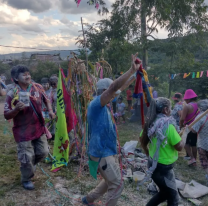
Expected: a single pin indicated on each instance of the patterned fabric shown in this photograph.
(158, 130)
(27, 126)
(121, 108)
(203, 133)
(53, 98)
(178, 107)
(44, 108)
(101, 130)
(203, 157)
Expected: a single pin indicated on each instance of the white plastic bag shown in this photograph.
(129, 147)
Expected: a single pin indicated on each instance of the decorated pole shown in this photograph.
(85, 44)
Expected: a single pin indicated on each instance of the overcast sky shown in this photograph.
(50, 24)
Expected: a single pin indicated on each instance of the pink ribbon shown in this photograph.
(101, 73)
(78, 2)
(207, 73)
(201, 74)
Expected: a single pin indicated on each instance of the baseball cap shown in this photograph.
(177, 96)
(105, 84)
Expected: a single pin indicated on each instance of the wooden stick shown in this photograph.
(85, 44)
(194, 122)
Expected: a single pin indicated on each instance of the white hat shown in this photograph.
(105, 84)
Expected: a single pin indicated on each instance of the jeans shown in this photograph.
(164, 178)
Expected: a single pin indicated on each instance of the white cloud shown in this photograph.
(23, 20)
(41, 41)
(36, 6)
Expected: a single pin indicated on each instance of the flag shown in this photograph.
(61, 142)
(71, 119)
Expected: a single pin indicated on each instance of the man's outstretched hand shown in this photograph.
(134, 65)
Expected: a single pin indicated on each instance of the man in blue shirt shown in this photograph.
(103, 138)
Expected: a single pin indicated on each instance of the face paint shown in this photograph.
(24, 78)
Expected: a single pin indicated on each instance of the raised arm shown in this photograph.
(118, 83)
(129, 81)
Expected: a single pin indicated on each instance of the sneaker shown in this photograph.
(84, 201)
(192, 161)
(187, 158)
(28, 185)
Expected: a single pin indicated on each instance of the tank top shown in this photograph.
(191, 117)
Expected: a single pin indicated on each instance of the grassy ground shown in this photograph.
(65, 181)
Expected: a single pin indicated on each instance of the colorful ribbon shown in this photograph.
(78, 2)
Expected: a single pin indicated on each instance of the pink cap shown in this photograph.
(189, 94)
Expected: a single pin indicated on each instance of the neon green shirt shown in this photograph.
(168, 154)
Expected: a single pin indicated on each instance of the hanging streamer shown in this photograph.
(78, 3)
(201, 74)
(186, 75)
(193, 75)
(197, 75)
(101, 73)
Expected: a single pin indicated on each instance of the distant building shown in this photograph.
(46, 57)
(7, 61)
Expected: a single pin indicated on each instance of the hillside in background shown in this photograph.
(15, 56)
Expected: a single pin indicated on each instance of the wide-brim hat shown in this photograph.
(177, 96)
(105, 84)
(189, 94)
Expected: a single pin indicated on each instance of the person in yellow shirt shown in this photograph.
(161, 142)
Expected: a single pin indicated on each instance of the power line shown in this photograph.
(34, 48)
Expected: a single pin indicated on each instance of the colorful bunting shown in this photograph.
(198, 74)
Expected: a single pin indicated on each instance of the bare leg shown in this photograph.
(194, 152)
(188, 151)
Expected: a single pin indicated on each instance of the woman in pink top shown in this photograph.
(189, 113)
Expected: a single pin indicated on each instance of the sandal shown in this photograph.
(192, 161)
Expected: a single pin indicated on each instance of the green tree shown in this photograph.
(143, 18)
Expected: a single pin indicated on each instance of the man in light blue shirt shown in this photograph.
(103, 138)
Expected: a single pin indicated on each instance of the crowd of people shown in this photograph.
(159, 139)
